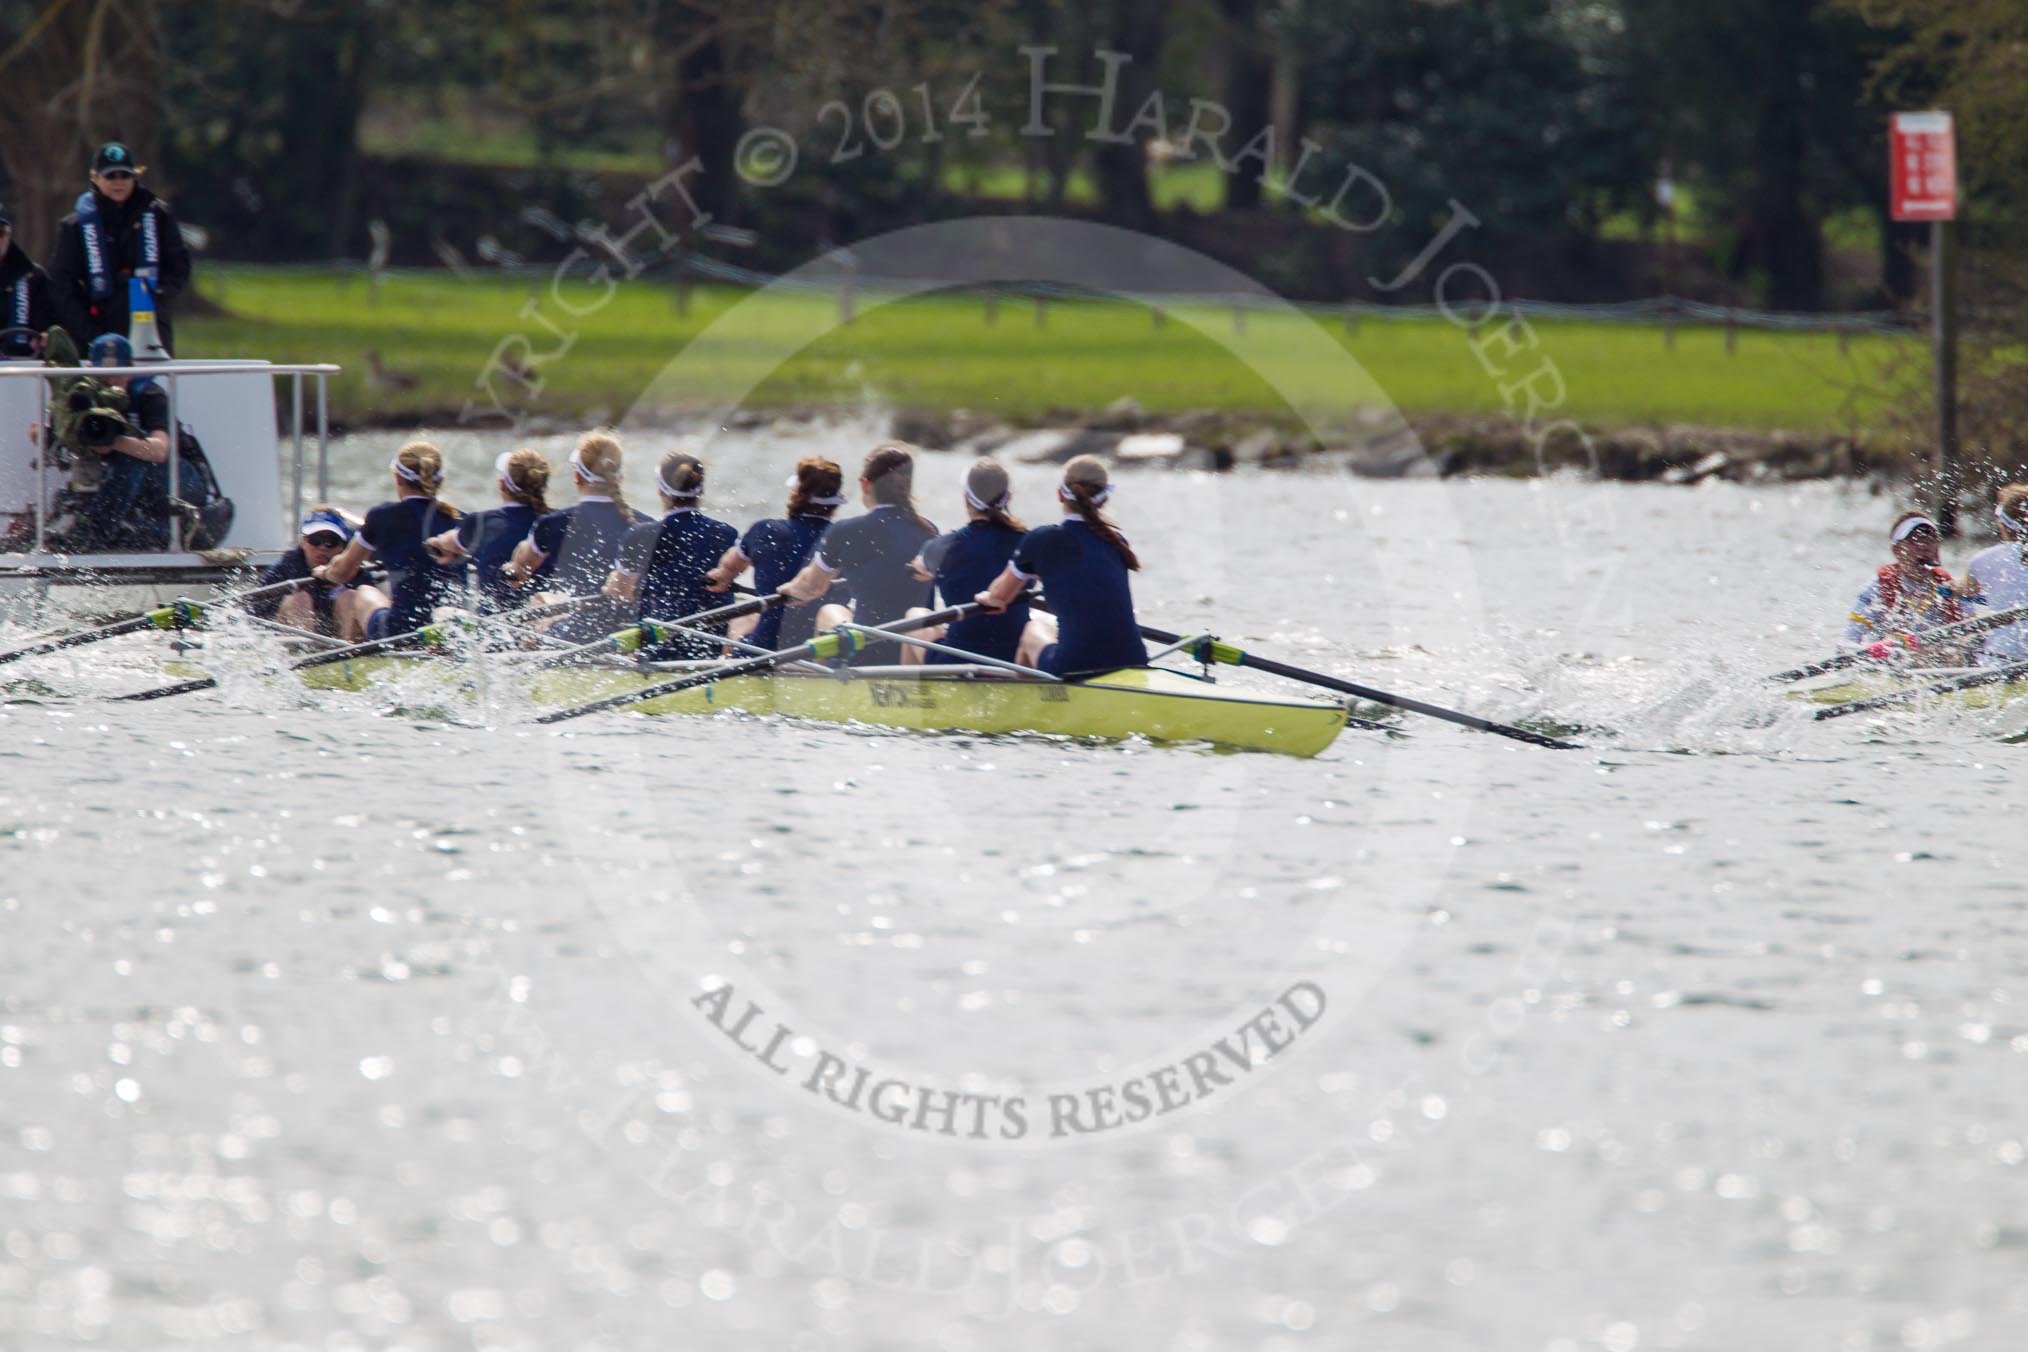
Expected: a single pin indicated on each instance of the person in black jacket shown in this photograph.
(24, 296)
(119, 231)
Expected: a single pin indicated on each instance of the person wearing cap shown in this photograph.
(966, 561)
(118, 231)
(24, 296)
(871, 554)
(663, 565)
(571, 551)
(1998, 575)
(396, 534)
(1907, 596)
(331, 609)
(490, 538)
(1083, 563)
(776, 549)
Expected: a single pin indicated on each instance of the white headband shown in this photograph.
(678, 492)
(403, 472)
(2008, 519)
(1098, 499)
(506, 476)
(1910, 527)
(980, 504)
(834, 500)
(577, 463)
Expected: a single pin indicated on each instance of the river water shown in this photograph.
(386, 1021)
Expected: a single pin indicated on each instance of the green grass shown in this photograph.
(939, 352)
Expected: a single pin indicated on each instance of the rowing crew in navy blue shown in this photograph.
(866, 571)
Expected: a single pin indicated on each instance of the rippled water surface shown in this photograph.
(372, 1020)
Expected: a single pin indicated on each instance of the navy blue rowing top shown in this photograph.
(671, 557)
(778, 548)
(1086, 583)
(489, 538)
(872, 553)
(579, 544)
(416, 583)
(966, 561)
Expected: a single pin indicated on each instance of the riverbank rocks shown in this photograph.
(1377, 443)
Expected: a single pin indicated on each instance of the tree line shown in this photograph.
(1553, 119)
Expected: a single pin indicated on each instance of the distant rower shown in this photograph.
(663, 564)
(1907, 596)
(1083, 562)
(2000, 575)
(490, 538)
(778, 548)
(572, 550)
(394, 533)
(966, 561)
(872, 553)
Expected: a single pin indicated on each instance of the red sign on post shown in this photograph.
(1925, 168)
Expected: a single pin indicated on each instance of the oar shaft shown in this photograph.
(633, 637)
(1366, 692)
(1978, 624)
(824, 645)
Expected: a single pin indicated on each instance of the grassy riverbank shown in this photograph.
(436, 333)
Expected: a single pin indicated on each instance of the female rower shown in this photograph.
(2000, 575)
(777, 549)
(1083, 562)
(572, 550)
(872, 553)
(663, 564)
(394, 533)
(490, 538)
(1907, 596)
(334, 611)
(965, 562)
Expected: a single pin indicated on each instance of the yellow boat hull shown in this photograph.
(1162, 706)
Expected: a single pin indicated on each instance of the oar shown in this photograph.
(822, 647)
(649, 633)
(1978, 624)
(429, 634)
(1225, 652)
(1990, 676)
(178, 614)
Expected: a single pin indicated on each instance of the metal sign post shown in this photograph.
(1924, 173)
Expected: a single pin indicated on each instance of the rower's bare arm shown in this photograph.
(623, 586)
(444, 548)
(809, 585)
(731, 565)
(1005, 588)
(527, 558)
(348, 563)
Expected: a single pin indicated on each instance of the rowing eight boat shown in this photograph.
(1150, 702)
(1874, 683)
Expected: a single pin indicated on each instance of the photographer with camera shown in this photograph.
(24, 296)
(120, 233)
(127, 510)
